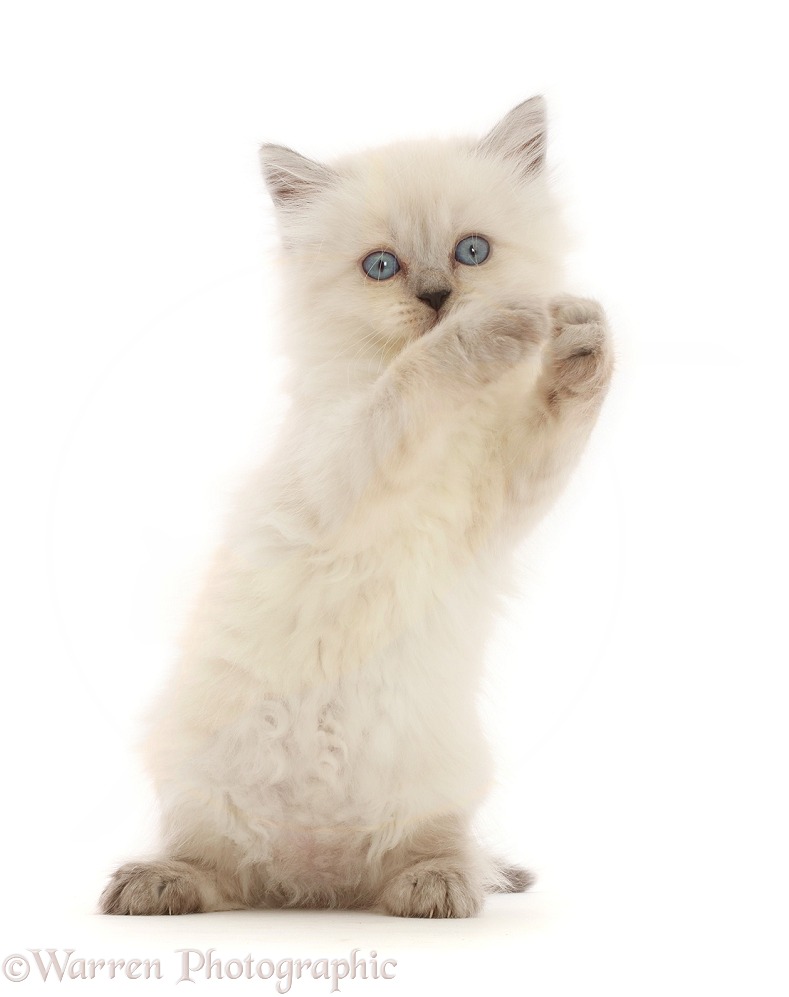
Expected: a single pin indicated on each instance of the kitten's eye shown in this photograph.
(380, 265)
(472, 250)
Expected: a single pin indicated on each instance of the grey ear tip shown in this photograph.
(291, 177)
(520, 136)
(536, 103)
(264, 153)
(268, 149)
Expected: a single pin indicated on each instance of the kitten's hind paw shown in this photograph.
(432, 889)
(165, 887)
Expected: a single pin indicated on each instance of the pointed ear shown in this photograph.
(520, 135)
(290, 177)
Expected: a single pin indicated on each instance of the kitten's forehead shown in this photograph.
(417, 195)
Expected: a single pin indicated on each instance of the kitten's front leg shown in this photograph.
(390, 493)
(391, 433)
(545, 442)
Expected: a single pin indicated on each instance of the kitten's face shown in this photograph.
(415, 202)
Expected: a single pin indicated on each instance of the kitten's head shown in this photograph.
(381, 245)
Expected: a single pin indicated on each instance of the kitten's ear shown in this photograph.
(290, 177)
(520, 135)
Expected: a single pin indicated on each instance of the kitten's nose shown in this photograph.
(434, 298)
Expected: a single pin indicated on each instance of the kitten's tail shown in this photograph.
(511, 879)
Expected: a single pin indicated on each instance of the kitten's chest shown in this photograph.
(450, 489)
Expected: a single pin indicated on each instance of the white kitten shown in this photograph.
(319, 743)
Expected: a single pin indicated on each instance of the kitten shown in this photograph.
(318, 743)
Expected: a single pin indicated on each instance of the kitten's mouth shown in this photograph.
(432, 323)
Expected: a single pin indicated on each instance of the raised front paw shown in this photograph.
(474, 345)
(496, 339)
(432, 889)
(166, 887)
(581, 354)
(477, 343)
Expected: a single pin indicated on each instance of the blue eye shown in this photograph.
(472, 250)
(380, 265)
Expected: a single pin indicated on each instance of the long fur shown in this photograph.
(318, 743)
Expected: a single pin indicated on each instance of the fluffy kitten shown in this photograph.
(318, 743)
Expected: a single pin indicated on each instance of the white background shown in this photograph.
(636, 693)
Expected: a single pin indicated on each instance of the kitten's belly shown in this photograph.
(338, 774)
(302, 799)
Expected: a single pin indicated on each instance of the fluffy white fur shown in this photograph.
(318, 743)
